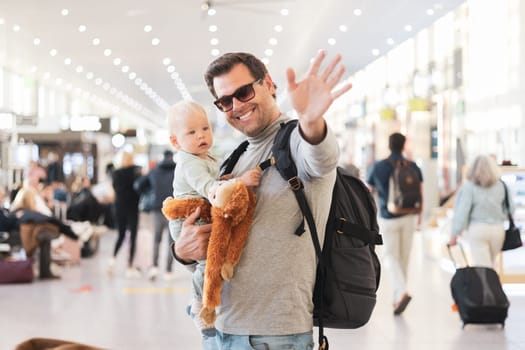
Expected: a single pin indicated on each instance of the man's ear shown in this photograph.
(174, 142)
(268, 82)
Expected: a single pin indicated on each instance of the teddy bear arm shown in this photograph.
(240, 234)
(180, 208)
(217, 248)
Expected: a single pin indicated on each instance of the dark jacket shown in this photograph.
(8, 222)
(159, 181)
(126, 198)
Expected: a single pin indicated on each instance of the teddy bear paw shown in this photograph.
(207, 314)
(227, 271)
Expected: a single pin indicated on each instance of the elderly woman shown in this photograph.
(480, 211)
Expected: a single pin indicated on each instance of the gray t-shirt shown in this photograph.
(271, 290)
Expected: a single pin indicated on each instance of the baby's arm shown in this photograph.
(251, 177)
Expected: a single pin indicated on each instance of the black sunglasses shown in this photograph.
(244, 94)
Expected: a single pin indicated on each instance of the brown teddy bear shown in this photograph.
(232, 207)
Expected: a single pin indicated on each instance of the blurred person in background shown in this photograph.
(34, 174)
(480, 211)
(159, 181)
(126, 210)
(38, 228)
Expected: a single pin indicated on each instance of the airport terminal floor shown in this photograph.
(88, 306)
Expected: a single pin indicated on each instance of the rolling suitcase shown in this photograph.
(478, 294)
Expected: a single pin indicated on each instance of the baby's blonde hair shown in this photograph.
(180, 109)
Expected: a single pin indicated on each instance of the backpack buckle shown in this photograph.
(294, 183)
(340, 226)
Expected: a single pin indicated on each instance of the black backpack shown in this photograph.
(348, 270)
(404, 188)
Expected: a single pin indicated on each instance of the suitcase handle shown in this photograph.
(462, 252)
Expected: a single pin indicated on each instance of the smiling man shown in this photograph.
(268, 304)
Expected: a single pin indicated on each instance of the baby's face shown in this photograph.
(194, 134)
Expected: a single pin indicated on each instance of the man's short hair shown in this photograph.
(225, 63)
(396, 142)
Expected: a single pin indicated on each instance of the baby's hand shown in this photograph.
(251, 177)
(226, 177)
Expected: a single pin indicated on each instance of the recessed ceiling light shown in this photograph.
(79, 69)
(174, 75)
(272, 41)
(98, 81)
(375, 52)
(166, 61)
(265, 60)
(268, 52)
(278, 28)
(96, 42)
(214, 41)
(215, 52)
(16, 28)
(408, 28)
(106, 86)
(343, 28)
(171, 69)
(390, 41)
(430, 12)
(107, 52)
(36, 41)
(125, 69)
(147, 28)
(213, 28)
(53, 52)
(82, 28)
(2, 21)
(138, 81)
(117, 61)
(155, 41)
(285, 12)
(67, 61)
(64, 12)
(358, 12)
(132, 75)
(89, 75)
(211, 12)
(331, 41)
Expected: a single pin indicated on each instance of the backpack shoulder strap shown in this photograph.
(229, 163)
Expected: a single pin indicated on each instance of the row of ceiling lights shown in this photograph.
(89, 76)
(390, 41)
(170, 68)
(268, 52)
(125, 69)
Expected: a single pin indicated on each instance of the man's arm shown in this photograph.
(312, 96)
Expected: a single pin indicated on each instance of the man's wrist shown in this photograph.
(183, 262)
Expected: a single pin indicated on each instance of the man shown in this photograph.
(268, 303)
(159, 180)
(397, 229)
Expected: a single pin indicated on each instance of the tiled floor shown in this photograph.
(88, 306)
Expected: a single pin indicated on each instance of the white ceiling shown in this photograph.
(183, 29)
